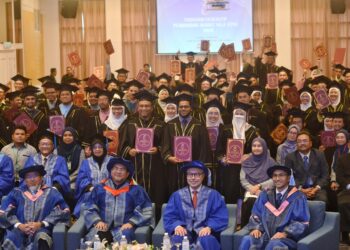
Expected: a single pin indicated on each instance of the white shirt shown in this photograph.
(198, 189)
(282, 192)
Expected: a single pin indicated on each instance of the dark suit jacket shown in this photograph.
(318, 168)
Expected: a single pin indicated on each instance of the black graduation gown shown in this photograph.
(198, 66)
(230, 185)
(149, 168)
(41, 121)
(311, 122)
(44, 107)
(78, 119)
(158, 111)
(200, 148)
(261, 70)
(4, 134)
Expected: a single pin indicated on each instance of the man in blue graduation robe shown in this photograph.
(30, 212)
(7, 177)
(196, 211)
(117, 206)
(280, 217)
(56, 168)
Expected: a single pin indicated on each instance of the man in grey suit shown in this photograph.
(310, 168)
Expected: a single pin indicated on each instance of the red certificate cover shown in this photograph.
(113, 144)
(328, 138)
(74, 58)
(24, 120)
(213, 133)
(10, 114)
(142, 77)
(190, 75)
(205, 45)
(272, 80)
(175, 67)
(183, 148)
(78, 99)
(279, 134)
(246, 44)
(234, 151)
(267, 41)
(305, 63)
(57, 124)
(144, 139)
(320, 51)
(228, 51)
(339, 55)
(292, 96)
(94, 81)
(108, 47)
(322, 98)
(99, 72)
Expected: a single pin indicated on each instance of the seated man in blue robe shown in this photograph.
(196, 211)
(31, 211)
(56, 168)
(117, 206)
(280, 217)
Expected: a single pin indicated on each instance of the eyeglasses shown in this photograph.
(303, 141)
(195, 175)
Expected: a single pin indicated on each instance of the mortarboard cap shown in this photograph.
(296, 112)
(282, 68)
(339, 66)
(4, 87)
(241, 105)
(185, 87)
(214, 103)
(13, 95)
(71, 80)
(122, 71)
(225, 84)
(29, 91)
(164, 76)
(145, 95)
(305, 89)
(222, 75)
(50, 84)
(253, 75)
(339, 114)
(206, 78)
(346, 71)
(93, 89)
(337, 85)
(47, 134)
(322, 79)
(107, 93)
(241, 88)
(117, 102)
(313, 68)
(287, 82)
(134, 83)
(242, 75)
(271, 53)
(68, 87)
(117, 94)
(190, 53)
(328, 114)
(170, 99)
(40, 169)
(215, 70)
(184, 97)
(19, 77)
(44, 79)
(214, 91)
(163, 87)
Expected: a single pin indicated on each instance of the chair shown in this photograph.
(59, 236)
(226, 236)
(78, 231)
(323, 230)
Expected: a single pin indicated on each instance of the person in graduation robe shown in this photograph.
(51, 97)
(170, 111)
(29, 95)
(196, 211)
(149, 168)
(92, 171)
(289, 145)
(117, 206)
(7, 175)
(184, 125)
(3, 90)
(310, 119)
(335, 97)
(74, 116)
(91, 102)
(31, 211)
(229, 173)
(20, 82)
(197, 65)
(160, 103)
(117, 116)
(55, 166)
(130, 101)
(271, 228)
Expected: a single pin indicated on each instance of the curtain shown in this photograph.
(312, 24)
(139, 36)
(85, 34)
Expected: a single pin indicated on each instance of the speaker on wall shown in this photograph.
(338, 6)
(69, 8)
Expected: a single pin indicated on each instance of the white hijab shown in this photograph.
(335, 104)
(167, 117)
(304, 107)
(325, 127)
(114, 123)
(256, 91)
(161, 103)
(213, 124)
(239, 124)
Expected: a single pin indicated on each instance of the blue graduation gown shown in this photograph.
(56, 170)
(6, 175)
(211, 211)
(89, 174)
(131, 206)
(20, 206)
(292, 217)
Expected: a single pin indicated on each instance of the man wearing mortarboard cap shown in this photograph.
(132, 88)
(150, 170)
(122, 76)
(240, 129)
(69, 74)
(51, 97)
(160, 104)
(337, 72)
(164, 79)
(29, 95)
(30, 212)
(74, 116)
(20, 81)
(184, 125)
(197, 65)
(91, 102)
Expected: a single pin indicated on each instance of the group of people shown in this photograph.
(108, 180)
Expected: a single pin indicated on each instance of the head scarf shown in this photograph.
(255, 166)
(161, 103)
(98, 159)
(288, 146)
(167, 117)
(71, 152)
(304, 107)
(325, 127)
(334, 104)
(239, 124)
(218, 122)
(256, 91)
(340, 149)
(114, 122)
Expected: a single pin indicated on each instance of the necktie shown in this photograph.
(194, 198)
(45, 161)
(184, 123)
(278, 199)
(306, 162)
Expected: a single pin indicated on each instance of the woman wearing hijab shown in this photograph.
(254, 176)
(92, 171)
(289, 145)
(117, 116)
(170, 110)
(334, 95)
(306, 105)
(215, 127)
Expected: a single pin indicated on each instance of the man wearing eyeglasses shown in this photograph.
(280, 217)
(196, 211)
(310, 168)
